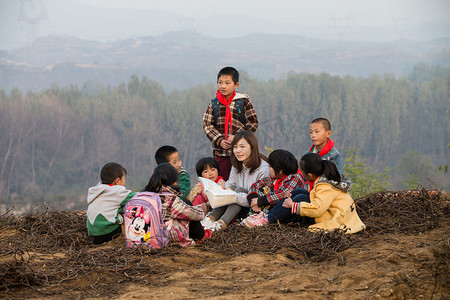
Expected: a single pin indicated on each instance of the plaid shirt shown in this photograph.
(272, 196)
(215, 129)
(177, 214)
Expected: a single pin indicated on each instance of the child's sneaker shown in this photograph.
(207, 223)
(255, 220)
(218, 225)
(207, 235)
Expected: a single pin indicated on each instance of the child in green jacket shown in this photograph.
(169, 154)
(106, 202)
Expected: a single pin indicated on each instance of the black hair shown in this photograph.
(205, 162)
(255, 157)
(111, 171)
(164, 174)
(283, 160)
(325, 123)
(162, 154)
(312, 163)
(231, 72)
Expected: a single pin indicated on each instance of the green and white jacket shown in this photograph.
(106, 203)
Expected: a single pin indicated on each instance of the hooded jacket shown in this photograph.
(331, 206)
(106, 203)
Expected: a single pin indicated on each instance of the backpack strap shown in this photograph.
(239, 103)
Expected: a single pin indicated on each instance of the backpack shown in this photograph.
(144, 225)
(239, 103)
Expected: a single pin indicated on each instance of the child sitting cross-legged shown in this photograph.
(329, 202)
(207, 167)
(182, 219)
(268, 193)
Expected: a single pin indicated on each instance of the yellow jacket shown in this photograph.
(331, 206)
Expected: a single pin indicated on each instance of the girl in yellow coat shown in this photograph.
(329, 202)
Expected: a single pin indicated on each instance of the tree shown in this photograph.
(363, 181)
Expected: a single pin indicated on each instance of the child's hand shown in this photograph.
(225, 144)
(288, 203)
(230, 139)
(255, 206)
(203, 207)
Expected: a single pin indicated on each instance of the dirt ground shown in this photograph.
(373, 266)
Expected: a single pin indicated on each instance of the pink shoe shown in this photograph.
(255, 220)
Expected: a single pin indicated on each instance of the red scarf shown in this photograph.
(328, 146)
(228, 117)
(278, 182)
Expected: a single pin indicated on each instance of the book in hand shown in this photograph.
(217, 196)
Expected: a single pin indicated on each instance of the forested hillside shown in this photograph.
(54, 142)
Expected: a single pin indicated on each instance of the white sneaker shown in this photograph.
(207, 223)
(218, 225)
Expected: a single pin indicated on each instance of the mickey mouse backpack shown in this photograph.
(144, 225)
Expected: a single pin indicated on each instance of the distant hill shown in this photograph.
(180, 60)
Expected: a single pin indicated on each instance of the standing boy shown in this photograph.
(106, 202)
(169, 154)
(230, 112)
(320, 132)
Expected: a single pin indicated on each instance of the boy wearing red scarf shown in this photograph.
(320, 132)
(230, 112)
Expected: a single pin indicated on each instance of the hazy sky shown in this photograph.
(362, 12)
(118, 19)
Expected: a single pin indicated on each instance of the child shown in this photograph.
(169, 154)
(320, 132)
(106, 202)
(182, 218)
(227, 114)
(207, 167)
(329, 202)
(266, 195)
(248, 167)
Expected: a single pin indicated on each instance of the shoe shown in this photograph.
(255, 220)
(207, 235)
(218, 225)
(207, 223)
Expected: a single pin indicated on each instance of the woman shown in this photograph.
(248, 166)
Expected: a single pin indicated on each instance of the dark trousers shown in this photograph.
(283, 214)
(224, 166)
(107, 237)
(196, 230)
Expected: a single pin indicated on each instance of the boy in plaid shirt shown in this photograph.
(230, 112)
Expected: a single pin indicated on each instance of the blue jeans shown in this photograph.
(283, 214)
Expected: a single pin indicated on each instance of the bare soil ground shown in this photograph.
(403, 254)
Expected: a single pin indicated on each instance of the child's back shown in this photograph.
(331, 206)
(106, 202)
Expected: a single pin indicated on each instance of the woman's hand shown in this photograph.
(288, 203)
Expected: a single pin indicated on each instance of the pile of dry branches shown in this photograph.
(403, 211)
(47, 248)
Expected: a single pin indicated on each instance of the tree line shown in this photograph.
(55, 141)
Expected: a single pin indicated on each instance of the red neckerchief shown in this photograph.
(328, 146)
(278, 182)
(228, 118)
(218, 178)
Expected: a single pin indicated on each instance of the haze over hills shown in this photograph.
(183, 59)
